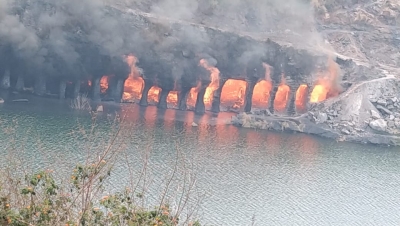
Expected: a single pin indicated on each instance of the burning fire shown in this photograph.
(327, 85)
(233, 94)
(172, 99)
(261, 94)
(214, 74)
(192, 97)
(301, 98)
(133, 89)
(320, 92)
(104, 84)
(134, 83)
(282, 96)
(154, 95)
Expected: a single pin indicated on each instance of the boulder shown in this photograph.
(378, 124)
(375, 114)
(321, 118)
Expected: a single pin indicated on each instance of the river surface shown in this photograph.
(244, 175)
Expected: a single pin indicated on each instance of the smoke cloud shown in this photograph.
(60, 37)
(76, 39)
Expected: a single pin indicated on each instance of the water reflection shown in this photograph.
(280, 178)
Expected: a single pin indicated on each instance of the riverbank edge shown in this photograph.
(303, 124)
(368, 112)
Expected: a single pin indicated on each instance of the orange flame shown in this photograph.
(134, 83)
(261, 94)
(192, 97)
(327, 85)
(301, 98)
(104, 84)
(233, 94)
(282, 96)
(320, 92)
(172, 99)
(133, 88)
(154, 95)
(214, 74)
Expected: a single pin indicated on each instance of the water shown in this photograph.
(266, 177)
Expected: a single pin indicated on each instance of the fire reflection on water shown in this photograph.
(168, 117)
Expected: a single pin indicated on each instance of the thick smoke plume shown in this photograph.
(67, 38)
(76, 39)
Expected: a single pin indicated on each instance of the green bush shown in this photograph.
(41, 201)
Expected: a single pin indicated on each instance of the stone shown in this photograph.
(394, 99)
(1, 101)
(100, 108)
(321, 118)
(345, 131)
(383, 109)
(194, 124)
(391, 124)
(397, 123)
(391, 117)
(375, 114)
(382, 102)
(390, 107)
(379, 125)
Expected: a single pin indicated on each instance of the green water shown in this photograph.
(273, 178)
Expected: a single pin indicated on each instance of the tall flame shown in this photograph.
(261, 94)
(262, 89)
(154, 95)
(233, 94)
(282, 96)
(301, 98)
(327, 85)
(192, 97)
(172, 99)
(134, 83)
(214, 74)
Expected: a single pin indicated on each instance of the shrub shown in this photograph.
(77, 198)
